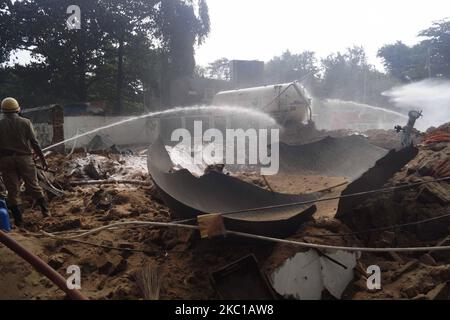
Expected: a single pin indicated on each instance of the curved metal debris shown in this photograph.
(348, 157)
(373, 179)
(188, 196)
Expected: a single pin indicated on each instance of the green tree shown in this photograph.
(219, 69)
(405, 63)
(348, 76)
(70, 56)
(181, 26)
(344, 75)
(125, 52)
(437, 47)
(429, 58)
(290, 67)
(126, 24)
(7, 35)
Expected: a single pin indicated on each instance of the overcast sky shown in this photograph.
(261, 29)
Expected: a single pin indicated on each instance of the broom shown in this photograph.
(149, 282)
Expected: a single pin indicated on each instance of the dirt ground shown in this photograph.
(110, 260)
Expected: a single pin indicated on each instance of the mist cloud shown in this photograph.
(430, 95)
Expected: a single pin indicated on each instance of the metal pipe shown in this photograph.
(40, 266)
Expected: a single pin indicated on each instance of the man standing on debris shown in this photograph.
(17, 141)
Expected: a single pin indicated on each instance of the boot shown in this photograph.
(42, 203)
(17, 215)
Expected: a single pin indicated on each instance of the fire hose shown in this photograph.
(40, 266)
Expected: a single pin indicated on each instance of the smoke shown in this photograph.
(431, 95)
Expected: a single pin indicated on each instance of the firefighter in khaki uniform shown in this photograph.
(17, 141)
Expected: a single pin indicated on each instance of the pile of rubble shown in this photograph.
(110, 261)
(420, 216)
(409, 205)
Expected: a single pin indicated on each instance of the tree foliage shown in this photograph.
(125, 50)
(346, 76)
(349, 76)
(289, 67)
(219, 69)
(428, 58)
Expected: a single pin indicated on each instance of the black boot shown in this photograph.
(17, 215)
(42, 203)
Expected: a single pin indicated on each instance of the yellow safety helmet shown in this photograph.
(10, 105)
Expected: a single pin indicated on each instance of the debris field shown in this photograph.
(112, 261)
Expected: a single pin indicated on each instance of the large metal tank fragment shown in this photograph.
(188, 196)
(348, 157)
(375, 178)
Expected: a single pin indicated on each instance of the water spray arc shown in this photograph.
(175, 111)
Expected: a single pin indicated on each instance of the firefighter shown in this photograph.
(17, 141)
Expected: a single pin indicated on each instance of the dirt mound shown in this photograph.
(110, 260)
(409, 205)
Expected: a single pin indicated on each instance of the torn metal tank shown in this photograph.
(373, 179)
(188, 196)
(378, 175)
(347, 157)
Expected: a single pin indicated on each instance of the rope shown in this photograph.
(117, 224)
(397, 226)
(257, 237)
(382, 190)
